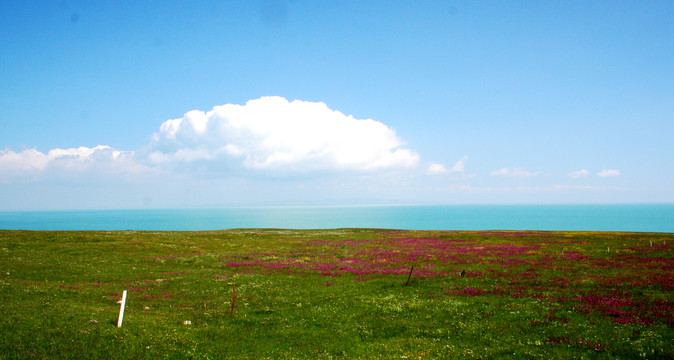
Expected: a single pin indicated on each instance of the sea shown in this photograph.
(620, 217)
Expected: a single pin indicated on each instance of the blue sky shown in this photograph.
(334, 102)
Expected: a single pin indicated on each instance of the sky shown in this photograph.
(192, 104)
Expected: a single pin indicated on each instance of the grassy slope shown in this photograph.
(336, 294)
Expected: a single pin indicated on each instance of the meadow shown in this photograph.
(337, 294)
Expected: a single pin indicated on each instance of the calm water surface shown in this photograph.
(641, 218)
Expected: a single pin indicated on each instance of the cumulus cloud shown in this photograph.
(30, 163)
(439, 169)
(609, 173)
(514, 172)
(270, 133)
(578, 174)
(274, 133)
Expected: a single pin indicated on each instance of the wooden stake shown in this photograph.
(231, 313)
(408, 278)
(121, 309)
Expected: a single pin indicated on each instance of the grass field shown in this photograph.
(330, 294)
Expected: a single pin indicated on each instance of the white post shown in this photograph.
(121, 309)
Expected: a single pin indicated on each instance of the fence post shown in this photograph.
(121, 309)
(410, 276)
(231, 313)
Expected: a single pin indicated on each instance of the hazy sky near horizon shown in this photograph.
(125, 104)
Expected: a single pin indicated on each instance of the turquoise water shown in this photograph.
(641, 218)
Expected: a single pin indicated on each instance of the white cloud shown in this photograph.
(436, 169)
(265, 134)
(29, 164)
(273, 133)
(578, 174)
(514, 172)
(22, 162)
(609, 173)
(460, 165)
(439, 169)
(582, 187)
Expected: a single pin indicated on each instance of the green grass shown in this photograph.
(329, 294)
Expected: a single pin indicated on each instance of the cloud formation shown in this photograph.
(514, 172)
(30, 163)
(609, 173)
(578, 174)
(439, 169)
(265, 134)
(273, 133)
(436, 169)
